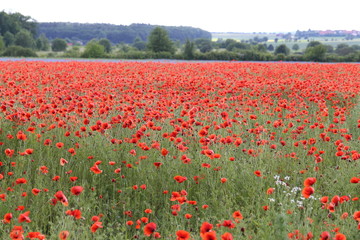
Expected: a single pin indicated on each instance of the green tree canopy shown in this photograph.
(42, 43)
(94, 49)
(58, 45)
(204, 45)
(106, 43)
(159, 41)
(295, 47)
(282, 49)
(24, 39)
(2, 44)
(189, 50)
(313, 44)
(9, 39)
(139, 44)
(316, 53)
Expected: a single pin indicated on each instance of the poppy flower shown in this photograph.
(24, 217)
(227, 236)
(17, 233)
(60, 196)
(325, 236)
(63, 161)
(63, 235)
(35, 235)
(95, 169)
(149, 229)
(340, 236)
(180, 179)
(76, 190)
(307, 192)
(96, 226)
(205, 227)
(309, 181)
(7, 218)
(356, 216)
(258, 173)
(182, 235)
(209, 236)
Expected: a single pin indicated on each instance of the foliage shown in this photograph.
(189, 50)
(2, 43)
(24, 39)
(73, 52)
(159, 41)
(139, 44)
(282, 49)
(58, 45)
(316, 53)
(295, 47)
(18, 51)
(106, 43)
(42, 43)
(204, 45)
(93, 50)
(116, 33)
(16, 22)
(9, 39)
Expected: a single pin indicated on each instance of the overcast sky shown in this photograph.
(213, 16)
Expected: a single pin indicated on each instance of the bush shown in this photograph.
(94, 50)
(17, 51)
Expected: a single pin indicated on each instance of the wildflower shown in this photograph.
(149, 229)
(182, 235)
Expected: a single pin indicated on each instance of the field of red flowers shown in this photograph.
(150, 150)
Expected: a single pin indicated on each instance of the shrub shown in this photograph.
(17, 51)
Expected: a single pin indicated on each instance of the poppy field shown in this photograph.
(160, 150)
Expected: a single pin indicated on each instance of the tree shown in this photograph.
(159, 41)
(204, 45)
(2, 44)
(106, 43)
(313, 44)
(42, 43)
(9, 39)
(24, 39)
(316, 53)
(343, 49)
(94, 50)
(58, 45)
(270, 48)
(282, 48)
(189, 50)
(139, 44)
(295, 47)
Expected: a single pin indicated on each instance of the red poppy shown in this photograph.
(95, 169)
(182, 235)
(76, 190)
(180, 179)
(63, 235)
(96, 226)
(340, 236)
(325, 236)
(209, 236)
(227, 236)
(309, 181)
(307, 192)
(24, 217)
(149, 229)
(7, 218)
(60, 196)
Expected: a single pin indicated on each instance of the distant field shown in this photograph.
(333, 41)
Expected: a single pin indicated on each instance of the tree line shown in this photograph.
(20, 37)
(84, 32)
